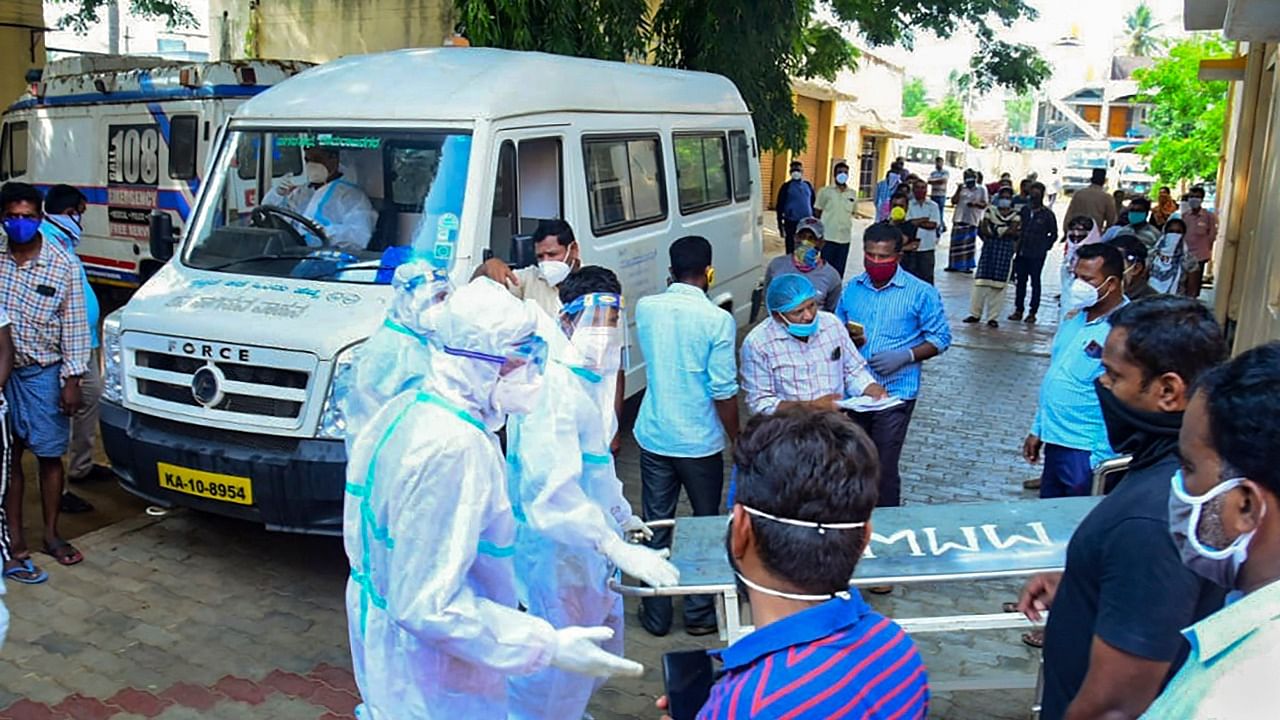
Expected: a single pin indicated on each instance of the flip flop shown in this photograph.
(1010, 607)
(64, 553)
(35, 576)
(1034, 639)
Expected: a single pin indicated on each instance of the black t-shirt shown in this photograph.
(1124, 583)
(908, 229)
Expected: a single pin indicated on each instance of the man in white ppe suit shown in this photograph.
(570, 511)
(431, 603)
(331, 200)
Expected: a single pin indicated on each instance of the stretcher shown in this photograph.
(909, 545)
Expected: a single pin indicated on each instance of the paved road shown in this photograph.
(195, 616)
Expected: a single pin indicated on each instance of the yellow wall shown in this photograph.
(1248, 291)
(16, 55)
(319, 30)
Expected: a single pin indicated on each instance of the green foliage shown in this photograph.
(86, 13)
(914, 98)
(1017, 111)
(762, 45)
(946, 118)
(1140, 27)
(605, 29)
(1187, 115)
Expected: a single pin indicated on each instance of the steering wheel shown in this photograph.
(277, 217)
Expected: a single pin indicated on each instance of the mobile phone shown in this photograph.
(854, 327)
(688, 678)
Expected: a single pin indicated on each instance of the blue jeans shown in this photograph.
(1067, 472)
(941, 201)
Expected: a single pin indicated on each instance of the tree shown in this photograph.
(1140, 27)
(947, 118)
(914, 98)
(1187, 115)
(764, 45)
(86, 13)
(1017, 110)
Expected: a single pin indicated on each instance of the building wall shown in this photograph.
(320, 30)
(17, 55)
(1248, 292)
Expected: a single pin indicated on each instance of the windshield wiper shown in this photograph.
(251, 259)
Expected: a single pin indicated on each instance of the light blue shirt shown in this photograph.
(689, 361)
(1069, 414)
(50, 231)
(902, 314)
(1231, 671)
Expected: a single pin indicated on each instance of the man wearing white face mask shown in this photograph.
(1068, 425)
(567, 498)
(1224, 516)
(556, 250)
(835, 206)
(429, 530)
(335, 203)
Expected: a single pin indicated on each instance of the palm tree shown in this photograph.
(1140, 27)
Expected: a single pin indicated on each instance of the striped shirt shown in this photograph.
(689, 364)
(45, 300)
(779, 367)
(1069, 414)
(903, 314)
(840, 659)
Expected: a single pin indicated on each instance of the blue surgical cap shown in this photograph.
(788, 292)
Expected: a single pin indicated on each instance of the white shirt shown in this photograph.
(928, 210)
(339, 205)
(938, 180)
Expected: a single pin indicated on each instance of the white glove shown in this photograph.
(578, 650)
(635, 525)
(639, 562)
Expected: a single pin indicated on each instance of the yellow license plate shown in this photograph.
(214, 486)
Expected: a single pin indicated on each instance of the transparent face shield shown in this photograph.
(596, 325)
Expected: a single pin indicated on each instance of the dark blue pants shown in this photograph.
(837, 256)
(941, 202)
(1067, 472)
(661, 478)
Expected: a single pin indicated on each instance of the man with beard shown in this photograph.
(1113, 639)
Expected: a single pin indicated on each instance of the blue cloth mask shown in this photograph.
(1137, 216)
(802, 330)
(21, 230)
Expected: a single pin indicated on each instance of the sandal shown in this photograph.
(26, 573)
(1035, 638)
(64, 553)
(1009, 607)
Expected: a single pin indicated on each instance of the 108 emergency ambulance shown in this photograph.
(132, 133)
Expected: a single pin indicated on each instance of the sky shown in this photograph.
(1099, 25)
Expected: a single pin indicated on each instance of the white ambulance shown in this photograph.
(220, 370)
(133, 134)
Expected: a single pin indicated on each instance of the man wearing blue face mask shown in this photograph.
(1113, 635)
(64, 208)
(801, 356)
(41, 288)
(1224, 517)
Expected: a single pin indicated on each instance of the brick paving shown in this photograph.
(194, 616)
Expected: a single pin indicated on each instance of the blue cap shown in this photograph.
(788, 292)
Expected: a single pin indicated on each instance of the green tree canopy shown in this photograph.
(1140, 27)
(762, 46)
(947, 118)
(914, 98)
(1017, 111)
(1187, 115)
(83, 14)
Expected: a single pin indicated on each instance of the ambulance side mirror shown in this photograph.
(163, 239)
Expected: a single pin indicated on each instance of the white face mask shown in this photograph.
(796, 174)
(517, 392)
(554, 271)
(842, 178)
(1081, 295)
(317, 173)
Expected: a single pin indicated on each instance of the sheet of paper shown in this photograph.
(862, 403)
